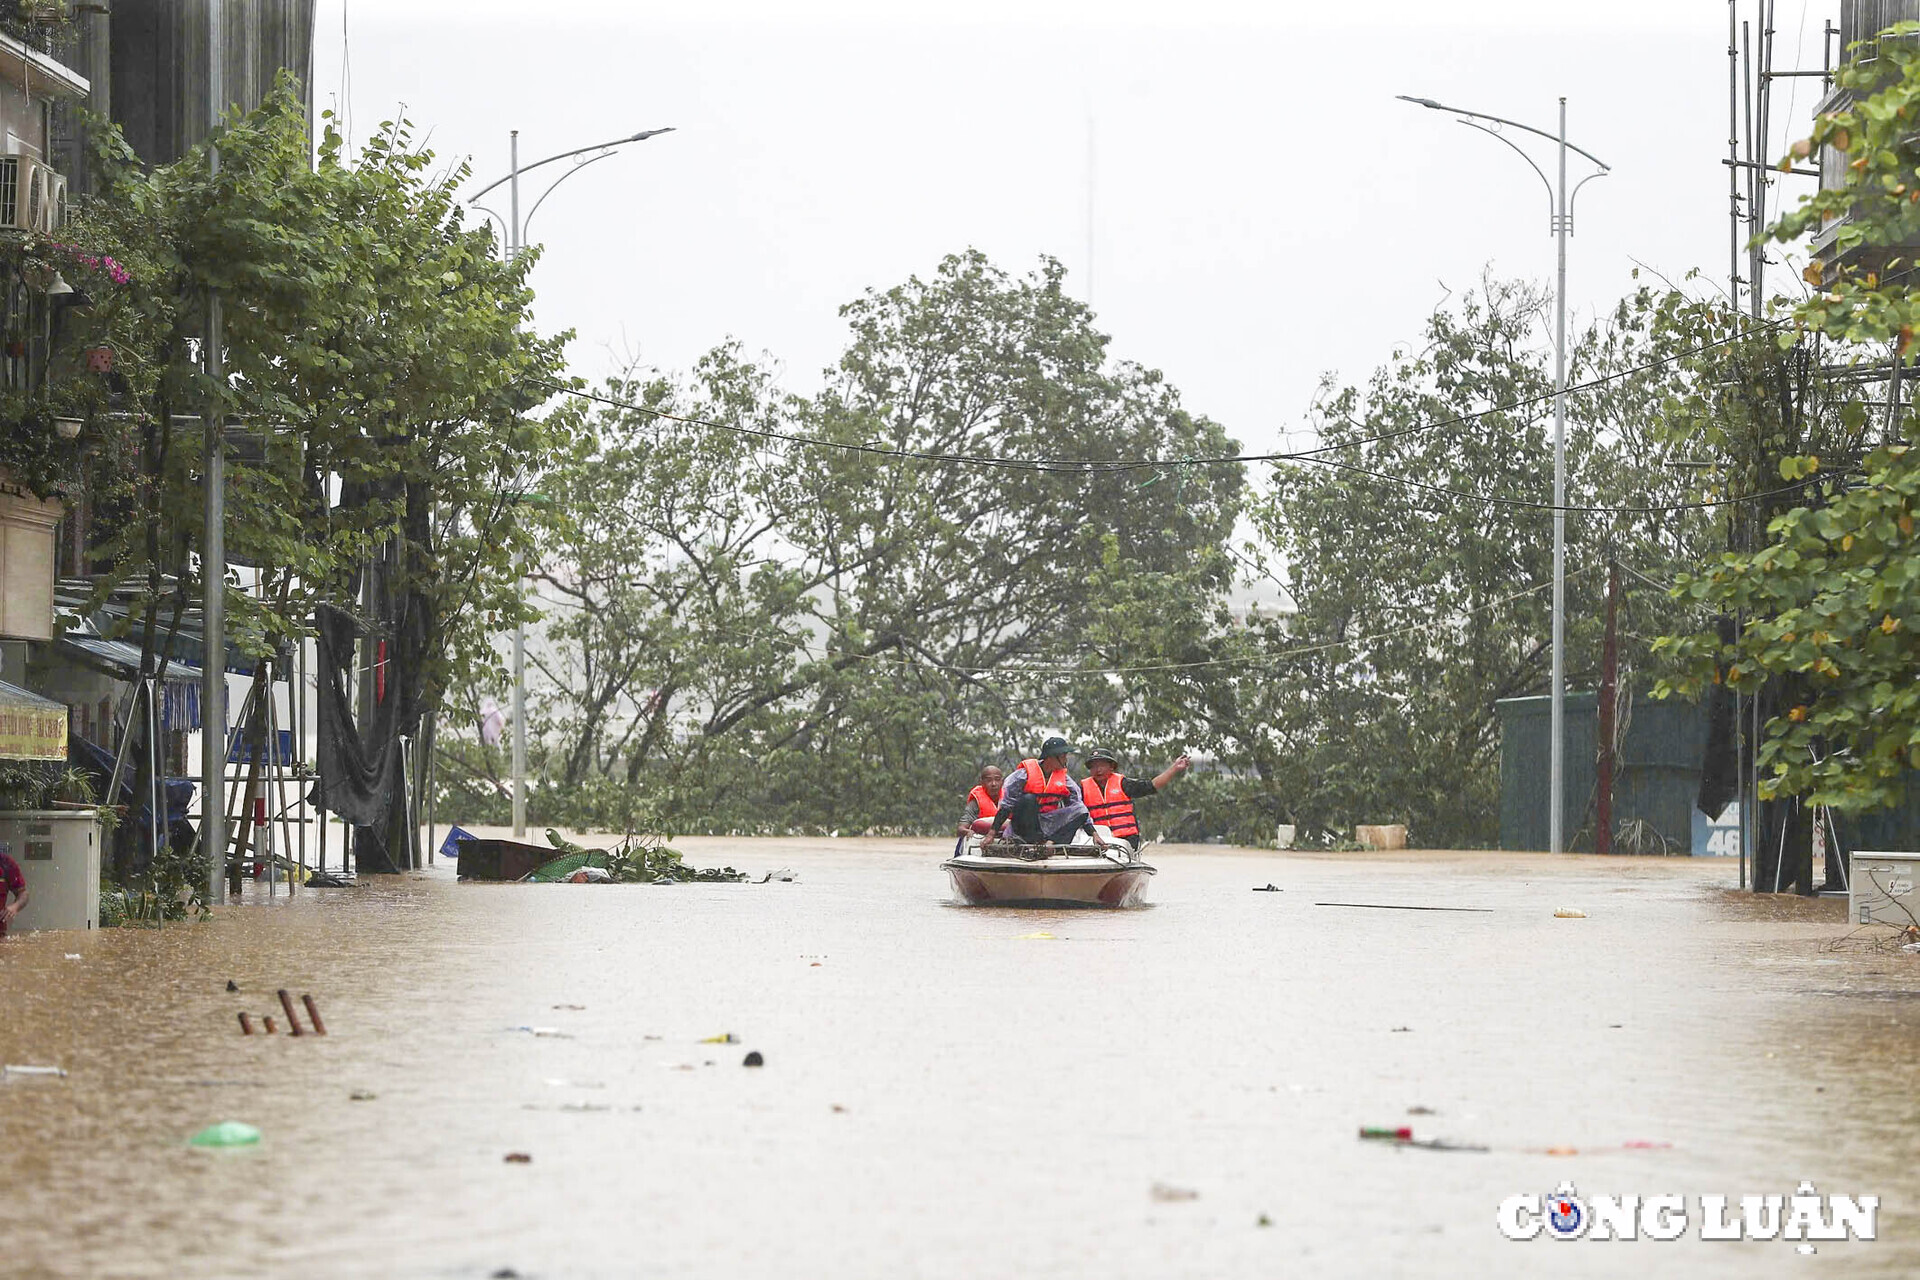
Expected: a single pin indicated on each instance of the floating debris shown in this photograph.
(1172, 1195)
(753, 1059)
(12, 1070)
(361, 1095)
(232, 985)
(725, 1037)
(517, 1157)
(228, 1133)
(1268, 887)
(1386, 1133)
(1396, 906)
(1041, 936)
(1569, 913)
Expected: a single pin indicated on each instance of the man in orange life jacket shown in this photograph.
(1040, 802)
(982, 802)
(1110, 795)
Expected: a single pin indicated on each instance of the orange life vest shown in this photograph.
(1051, 792)
(986, 804)
(1110, 807)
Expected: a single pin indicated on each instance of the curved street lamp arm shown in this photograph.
(1576, 188)
(496, 217)
(578, 166)
(641, 136)
(1495, 133)
(1554, 138)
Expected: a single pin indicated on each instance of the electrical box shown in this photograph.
(1880, 888)
(58, 851)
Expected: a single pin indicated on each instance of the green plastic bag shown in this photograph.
(228, 1133)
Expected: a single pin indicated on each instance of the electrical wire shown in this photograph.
(1309, 456)
(886, 658)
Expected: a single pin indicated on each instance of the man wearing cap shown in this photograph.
(1040, 802)
(1110, 794)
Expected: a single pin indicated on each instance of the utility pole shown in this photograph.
(1560, 203)
(516, 240)
(520, 623)
(1609, 680)
(1556, 824)
(213, 550)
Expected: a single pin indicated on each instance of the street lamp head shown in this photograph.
(1428, 103)
(644, 134)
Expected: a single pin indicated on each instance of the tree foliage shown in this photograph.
(772, 631)
(380, 374)
(1829, 583)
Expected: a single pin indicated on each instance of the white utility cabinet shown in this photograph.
(58, 851)
(1880, 887)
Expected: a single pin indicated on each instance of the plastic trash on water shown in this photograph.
(228, 1133)
(725, 1037)
(10, 1071)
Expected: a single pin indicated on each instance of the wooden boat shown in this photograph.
(1006, 873)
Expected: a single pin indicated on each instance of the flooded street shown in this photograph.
(958, 1092)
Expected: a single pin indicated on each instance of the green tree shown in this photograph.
(380, 365)
(1829, 584)
(1416, 551)
(770, 632)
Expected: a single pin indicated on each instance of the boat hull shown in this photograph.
(1050, 882)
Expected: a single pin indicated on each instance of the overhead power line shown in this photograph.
(1104, 466)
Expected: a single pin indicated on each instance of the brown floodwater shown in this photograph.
(947, 1093)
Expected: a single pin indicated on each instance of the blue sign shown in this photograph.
(450, 848)
(1717, 837)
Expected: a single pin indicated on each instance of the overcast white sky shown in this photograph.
(1263, 209)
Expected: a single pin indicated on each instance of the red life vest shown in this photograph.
(1110, 807)
(986, 804)
(1051, 792)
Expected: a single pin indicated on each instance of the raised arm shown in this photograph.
(1171, 772)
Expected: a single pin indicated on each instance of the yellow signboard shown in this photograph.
(37, 732)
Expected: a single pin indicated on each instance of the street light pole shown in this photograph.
(1556, 817)
(519, 623)
(213, 542)
(516, 235)
(1561, 202)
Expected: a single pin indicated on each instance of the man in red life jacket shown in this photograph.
(982, 803)
(1110, 794)
(1040, 802)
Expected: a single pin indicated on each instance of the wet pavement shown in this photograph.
(959, 1092)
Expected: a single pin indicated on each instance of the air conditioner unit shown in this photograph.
(56, 201)
(28, 198)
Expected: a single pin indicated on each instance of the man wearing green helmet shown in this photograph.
(1110, 794)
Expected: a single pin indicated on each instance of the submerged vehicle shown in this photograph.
(1090, 872)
